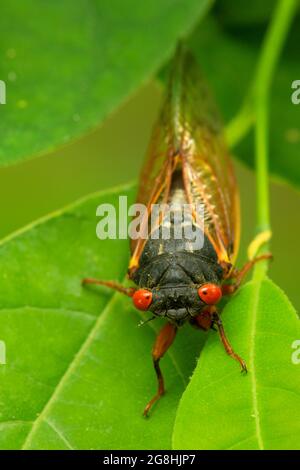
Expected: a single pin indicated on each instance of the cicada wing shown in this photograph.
(188, 135)
(207, 169)
(155, 177)
(153, 173)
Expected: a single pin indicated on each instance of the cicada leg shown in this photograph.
(113, 285)
(209, 318)
(238, 275)
(228, 348)
(162, 343)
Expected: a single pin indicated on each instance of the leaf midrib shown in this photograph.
(252, 367)
(68, 371)
(85, 345)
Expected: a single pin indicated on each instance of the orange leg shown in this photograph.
(228, 348)
(113, 285)
(239, 275)
(162, 343)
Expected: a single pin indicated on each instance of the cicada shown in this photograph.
(187, 165)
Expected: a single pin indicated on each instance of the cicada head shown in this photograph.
(179, 287)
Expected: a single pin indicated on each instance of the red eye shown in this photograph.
(210, 293)
(142, 299)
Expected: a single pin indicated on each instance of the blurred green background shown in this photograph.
(112, 155)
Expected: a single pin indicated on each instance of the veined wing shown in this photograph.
(188, 135)
(207, 170)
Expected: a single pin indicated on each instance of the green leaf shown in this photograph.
(69, 64)
(78, 370)
(230, 68)
(221, 408)
(235, 14)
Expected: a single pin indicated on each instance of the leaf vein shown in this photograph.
(252, 366)
(59, 433)
(67, 372)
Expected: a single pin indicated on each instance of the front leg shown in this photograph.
(228, 348)
(209, 318)
(239, 274)
(112, 284)
(162, 343)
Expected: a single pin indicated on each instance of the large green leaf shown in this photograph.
(79, 370)
(222, 409)
(69, 64)
(230, 67)
(234, 13)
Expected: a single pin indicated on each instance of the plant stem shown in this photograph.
(261, 163)
(262, 183)
(273, 44)
(271, 49)
(240, 125)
